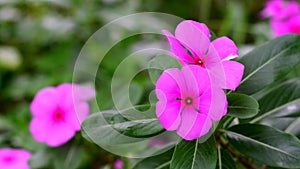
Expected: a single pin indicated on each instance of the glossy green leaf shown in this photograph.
(161, 161)
(195, 155)
(269, 62)
(280, 106)
(137, 128)
(266, 144)
(242, 106)
(226, 161)
(160, 63)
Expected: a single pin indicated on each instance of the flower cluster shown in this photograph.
(14, 158)
(191, 99)
(284, 15)
(58, 112)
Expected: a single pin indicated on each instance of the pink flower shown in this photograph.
(118, 164)
(191, 45)
(188, 102)
(14, 158)
(58, 112)
(280, 9)
(291, 25)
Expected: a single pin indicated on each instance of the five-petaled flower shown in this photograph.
(191, 45)
(188, 102)
(14, 158)
(58, 112)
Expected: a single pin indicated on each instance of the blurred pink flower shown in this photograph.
(191, 45)
(118, 164)
(58, 112)
(291, 25)
(188, 102)
(14, 158)
(280, 9)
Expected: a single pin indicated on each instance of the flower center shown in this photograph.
(200, 62)
(188, 101)
(58, 115)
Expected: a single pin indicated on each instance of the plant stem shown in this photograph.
(240, 157)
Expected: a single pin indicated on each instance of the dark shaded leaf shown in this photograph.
(266, 144)
(269, 62)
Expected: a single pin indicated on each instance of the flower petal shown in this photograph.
(226, 48)
(83, 93)
(168, 84)
(74, 117)
(213, 103)
(177, 50)
(193, 37)
(59, 134)
(233, 74)
(45, 102)
(168, 113)
(193, 125)
(39, 129)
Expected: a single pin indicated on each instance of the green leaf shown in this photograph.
(242, 106)
(226, 161)
(161, 161)
(193, 155)
(269, 62)
(280, 106)
(160, 63)
(142, 128)
(98, 128)
(266, 144)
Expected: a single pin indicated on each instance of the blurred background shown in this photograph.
(40, 41)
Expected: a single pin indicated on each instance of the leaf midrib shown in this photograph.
(242, 107)
(195, 153)
(264, 144)
(270, 112)
(263, 65)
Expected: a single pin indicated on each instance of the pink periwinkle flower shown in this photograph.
(14, 158)
(188, 102)
(118, 164)
(191, 45)
(58, 112)
(280, 9)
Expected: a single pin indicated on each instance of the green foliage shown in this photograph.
(242, 106)
(265, 144)
(192, 154)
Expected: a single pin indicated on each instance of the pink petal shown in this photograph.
(279, 28)
(193, 125)
(74, 117)
(44, 102)
(202, 27)
(83, 93)
(233, 74)
(225, 48)
(39, 129)
(189, 87)
(177, 50)
(192, 37)
(66, 100)
(202, 79)
(213, 103)
(168, 84)
(50, 132)
(168, 113)
(59, 134)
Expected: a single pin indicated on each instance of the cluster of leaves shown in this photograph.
(261, 128)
